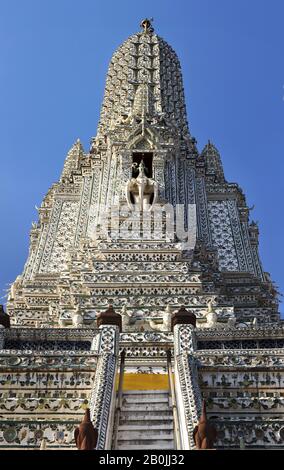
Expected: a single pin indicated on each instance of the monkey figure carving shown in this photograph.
(86, 435)
(204, 433)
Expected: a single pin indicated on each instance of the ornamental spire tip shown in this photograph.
(146, 25)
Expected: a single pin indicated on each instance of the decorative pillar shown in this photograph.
(103, 393)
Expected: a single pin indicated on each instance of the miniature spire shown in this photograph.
(214, 165)
(72, 161)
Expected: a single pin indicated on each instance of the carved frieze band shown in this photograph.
(251, 358)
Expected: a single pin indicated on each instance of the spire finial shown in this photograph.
(146, 25)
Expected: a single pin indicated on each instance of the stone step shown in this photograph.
(142, 399)
(146, 421)
(155, 445)
(146, 393)
(145, 407)
(132, 256)
(160, 425)
(147, 434)
(144, 415)
(140, 423)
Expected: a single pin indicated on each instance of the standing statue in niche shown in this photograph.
(125, 318)
(211, 316)
(141, 189)
(77, 317)
(231, 323)
(204, 434)
(53, 313)
(14, 287)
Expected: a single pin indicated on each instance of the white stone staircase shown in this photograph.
(146, 421)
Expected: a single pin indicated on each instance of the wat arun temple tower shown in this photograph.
(142, 246)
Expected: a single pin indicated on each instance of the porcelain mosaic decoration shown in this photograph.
(108, 234)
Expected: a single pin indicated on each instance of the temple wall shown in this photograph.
(46, 377)
(244, 392)
(43, 395)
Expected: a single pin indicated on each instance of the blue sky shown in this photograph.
(53, 61)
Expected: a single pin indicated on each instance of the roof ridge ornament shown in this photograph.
(146, 25)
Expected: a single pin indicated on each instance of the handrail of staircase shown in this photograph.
(119, 396)
(173, 399)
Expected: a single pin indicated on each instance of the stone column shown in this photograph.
(189, 400)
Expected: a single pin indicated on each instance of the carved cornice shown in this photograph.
(261, 332)
(51, 334)
(219, 359)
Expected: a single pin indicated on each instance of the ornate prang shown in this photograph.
(100, 241)
(213, 163)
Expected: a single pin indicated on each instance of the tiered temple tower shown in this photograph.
(108, 234)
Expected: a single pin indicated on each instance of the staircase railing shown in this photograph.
(172, 395)
(119, 398)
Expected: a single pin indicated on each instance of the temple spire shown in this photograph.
(75, 154)
(144, 70)
(214, 165)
